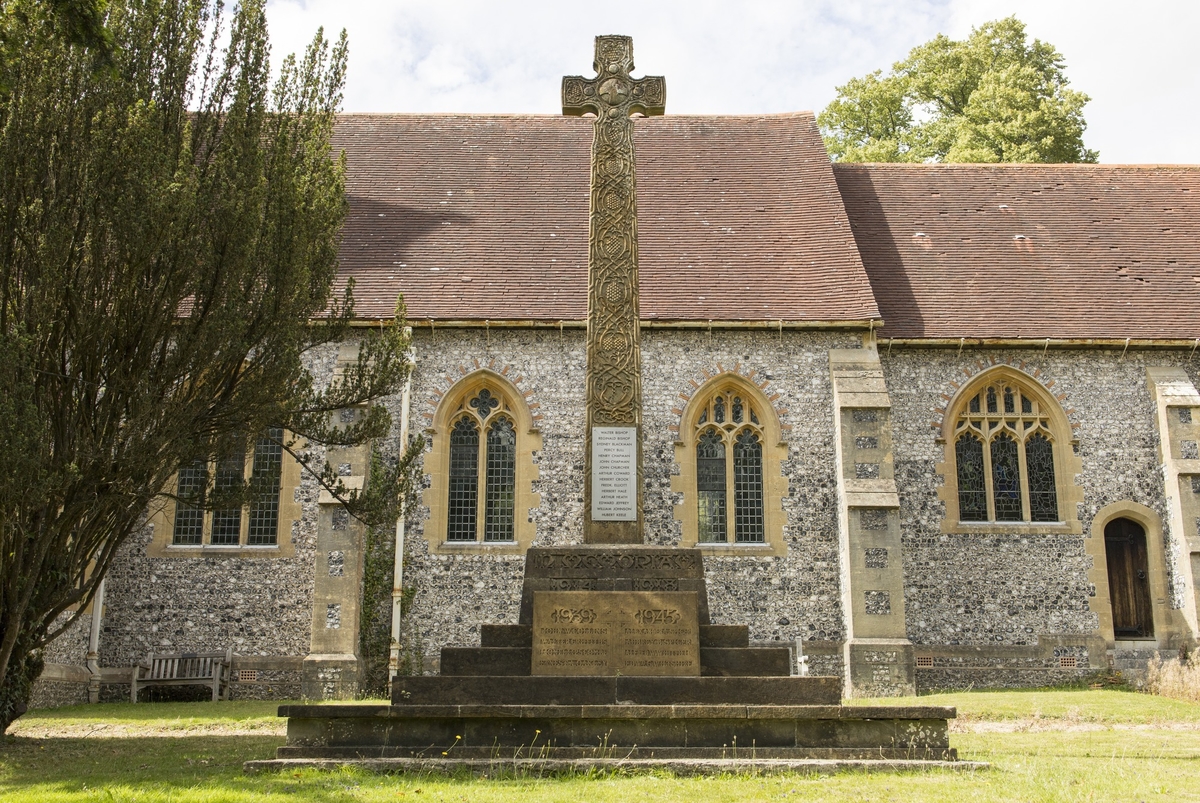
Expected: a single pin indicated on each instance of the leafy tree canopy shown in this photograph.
(169, 230)
(993, 97)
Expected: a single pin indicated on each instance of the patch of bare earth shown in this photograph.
(128, 730)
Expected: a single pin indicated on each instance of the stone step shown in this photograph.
(522, 636)
(480, 729)
(724, 636)
(746, 661)
(714, 661)
(720, 763)
(463, 690)
(506, 636)
(486, 660)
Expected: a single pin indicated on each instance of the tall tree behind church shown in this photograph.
(993, 97)
(169, 227)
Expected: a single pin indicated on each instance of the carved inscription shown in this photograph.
(614, 473)
(615, 632)
(656, 584)
(572, 584)
(615, 561)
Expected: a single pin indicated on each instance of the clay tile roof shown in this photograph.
(486, 217)
(1029, 251)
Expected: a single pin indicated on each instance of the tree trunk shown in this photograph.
(17, 685)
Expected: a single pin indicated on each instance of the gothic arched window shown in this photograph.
(1005, 454)
(729, 455)
(487, 463)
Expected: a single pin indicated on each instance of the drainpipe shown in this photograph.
(398, 565)
(93, 653)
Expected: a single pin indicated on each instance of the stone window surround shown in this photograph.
(162, 519)
(437, 466)
(1067, 464)
(774, 483)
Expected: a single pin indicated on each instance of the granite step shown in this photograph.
(501, 767)
(746, 661)
(424, 690)
(714, 661)
(522, 636)
(479, 730)
(505, 661)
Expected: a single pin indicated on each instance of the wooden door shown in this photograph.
(1128, 579)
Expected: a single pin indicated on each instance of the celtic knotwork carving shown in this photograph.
(614, 385)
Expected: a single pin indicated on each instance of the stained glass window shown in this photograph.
(719, 409)
(464, 481)
(972, 496)
(738, 414)
(710, 486)
(263, 526)
(189, 518)
(1004, 457)
(748, 487)
(1006, 478)
(501, 481)
(1039, 463)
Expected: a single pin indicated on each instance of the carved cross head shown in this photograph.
(612, 93)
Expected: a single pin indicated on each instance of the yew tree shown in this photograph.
(169, 228)
(993, 97)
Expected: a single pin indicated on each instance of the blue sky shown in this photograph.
(1136, 60)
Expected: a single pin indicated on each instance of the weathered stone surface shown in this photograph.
(615, 633)
(746, 661)
(574, 731)
(724, 636)
(505, 636)
(718, 762)
(423, 690)
(486, 660)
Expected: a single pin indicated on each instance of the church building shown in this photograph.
(931, 425)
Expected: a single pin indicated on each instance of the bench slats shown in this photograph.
(184, 669)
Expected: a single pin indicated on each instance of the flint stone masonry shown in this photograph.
(456, 592)
(1008, 587)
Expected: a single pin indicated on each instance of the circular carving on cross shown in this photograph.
(614, 91)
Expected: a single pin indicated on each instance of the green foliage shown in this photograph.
(168, 249)
(994, 97)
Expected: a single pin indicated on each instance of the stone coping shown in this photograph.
(697, 711)
(676, 766)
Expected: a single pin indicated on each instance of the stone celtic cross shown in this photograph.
(613, 469)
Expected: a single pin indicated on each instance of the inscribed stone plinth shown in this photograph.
(615, 633)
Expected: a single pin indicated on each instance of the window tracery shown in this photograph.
(483, 441)
(1004, 455)
(727, 426)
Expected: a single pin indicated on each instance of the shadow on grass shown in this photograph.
(75, 763)
(150, 712)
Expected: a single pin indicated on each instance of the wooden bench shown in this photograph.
(185, 669)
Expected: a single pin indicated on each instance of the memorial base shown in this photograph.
(730, 702)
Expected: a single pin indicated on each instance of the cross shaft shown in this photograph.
(614, 383)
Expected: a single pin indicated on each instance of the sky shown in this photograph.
(1136, 60)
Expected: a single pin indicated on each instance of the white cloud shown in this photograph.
(759, 56)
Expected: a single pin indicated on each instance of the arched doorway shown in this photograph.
(1128, 579)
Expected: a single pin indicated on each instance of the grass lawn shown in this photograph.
(1067, 745)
